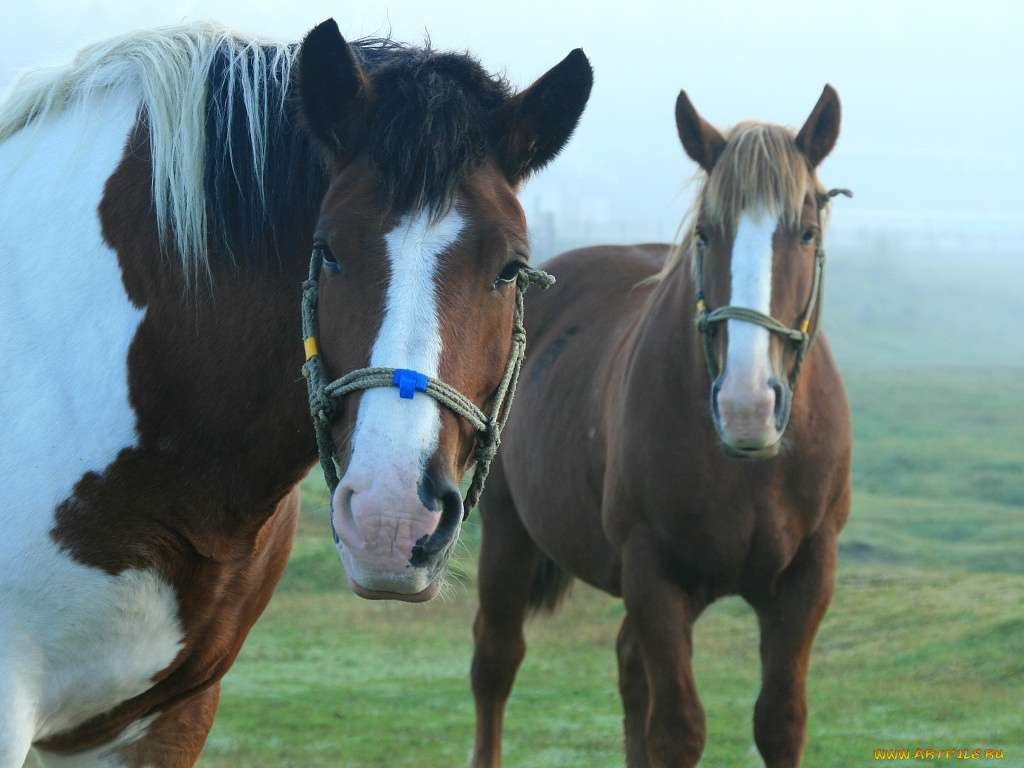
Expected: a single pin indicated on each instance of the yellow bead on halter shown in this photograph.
(312, 350)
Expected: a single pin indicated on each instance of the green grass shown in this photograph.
(938, 470)
(939, 435)
(923, 646)
(905, 658)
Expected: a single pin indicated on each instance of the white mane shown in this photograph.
(168, 67)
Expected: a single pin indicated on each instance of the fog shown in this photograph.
(932, 92)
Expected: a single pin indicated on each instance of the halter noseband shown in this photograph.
(801, 336)
(324, 395)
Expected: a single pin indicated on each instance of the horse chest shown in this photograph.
(721, 533)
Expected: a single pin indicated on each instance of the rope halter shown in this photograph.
(801, 336)
(324, 396)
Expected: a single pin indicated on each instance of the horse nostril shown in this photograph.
(440, 495)
(451, 514)
(783, 403)
(430, 493)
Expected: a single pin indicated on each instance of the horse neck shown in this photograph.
(658, 403)
(228, 370)
(666, 344)
(215, 367)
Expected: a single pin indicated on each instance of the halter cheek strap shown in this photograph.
(324, 396)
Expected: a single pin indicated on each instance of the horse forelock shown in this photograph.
(759, 169)
(429, 126)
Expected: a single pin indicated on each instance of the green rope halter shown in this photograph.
(801, 336)
(324, 395)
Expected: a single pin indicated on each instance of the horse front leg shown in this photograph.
(789, 619)
(661, 617)
(635, 696)
(507, 566)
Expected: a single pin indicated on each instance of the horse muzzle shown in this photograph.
(395, 545)
(750, 421)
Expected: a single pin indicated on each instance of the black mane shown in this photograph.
(427, 131)
(250, 204)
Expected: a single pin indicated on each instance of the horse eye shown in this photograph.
(702, 237)
(328, 257)
(509, 273)
(809, 237)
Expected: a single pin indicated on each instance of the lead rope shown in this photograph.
(801, 336)
(324, 395)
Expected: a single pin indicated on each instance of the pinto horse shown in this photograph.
(159, 200)
(670, 462)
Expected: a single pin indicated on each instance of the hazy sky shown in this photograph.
(932, 92)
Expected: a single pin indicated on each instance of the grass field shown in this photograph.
(923, 647)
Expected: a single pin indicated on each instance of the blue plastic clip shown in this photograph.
(408, 382)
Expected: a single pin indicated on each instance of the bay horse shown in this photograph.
(159, 201)
(670, 462)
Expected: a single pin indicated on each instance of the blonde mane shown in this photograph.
(760, 167)
(168, 67)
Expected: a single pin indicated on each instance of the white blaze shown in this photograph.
(378, 512)
(409, 337)
(747, 358)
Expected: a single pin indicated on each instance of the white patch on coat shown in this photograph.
(74, 640)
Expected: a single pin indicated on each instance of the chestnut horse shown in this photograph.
(670, 462)
(159, 201)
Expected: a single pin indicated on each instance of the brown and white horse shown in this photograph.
(671, 462)
(159, 201)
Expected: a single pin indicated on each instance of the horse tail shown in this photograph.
(551, 586)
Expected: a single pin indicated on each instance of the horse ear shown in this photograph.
(701, 140)
(821, 130)
(531, 128)
(334, 92)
